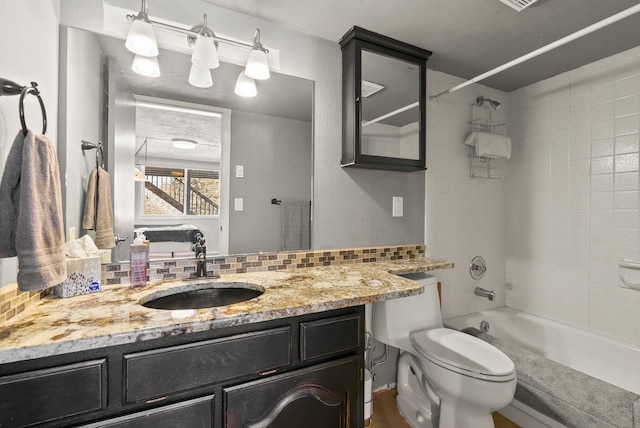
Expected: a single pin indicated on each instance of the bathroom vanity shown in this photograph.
(290, 357)
(299, 370)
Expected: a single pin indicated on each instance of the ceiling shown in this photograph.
(467, 37)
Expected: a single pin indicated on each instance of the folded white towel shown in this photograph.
(490, 145)
(31, 222)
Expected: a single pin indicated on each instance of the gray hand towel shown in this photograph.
(31, 221)
(98, 214)
(295, 225)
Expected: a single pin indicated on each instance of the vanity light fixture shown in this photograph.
(257, 65)
(146, 66)
(245, 86)
(200, 76)
(141, 40)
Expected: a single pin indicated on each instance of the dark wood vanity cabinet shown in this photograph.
(291, 372)
(383, 102)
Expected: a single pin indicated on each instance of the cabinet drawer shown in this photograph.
(192, 413)
(165, 371)
(331, 336)
(49, 394)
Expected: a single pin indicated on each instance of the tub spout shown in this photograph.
(489, 294)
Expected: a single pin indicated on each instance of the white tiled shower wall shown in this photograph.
(572, 196)
(466, 216)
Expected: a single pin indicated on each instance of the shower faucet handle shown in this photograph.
(477, 268)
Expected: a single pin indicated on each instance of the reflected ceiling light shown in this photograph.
(146, 66)
(257, 65)
(184, 143)
(245, 86)
(200, 76)
(141, 40)
(141, 102)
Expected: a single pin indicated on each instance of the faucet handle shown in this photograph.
(477, 268)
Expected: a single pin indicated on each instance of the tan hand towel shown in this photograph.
(98, 214)
(31, 221)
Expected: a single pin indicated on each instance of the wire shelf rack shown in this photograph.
(480, 166)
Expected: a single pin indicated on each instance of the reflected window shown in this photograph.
(181, 192)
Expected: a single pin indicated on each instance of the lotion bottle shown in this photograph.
(139, 256)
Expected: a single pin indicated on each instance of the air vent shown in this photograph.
(370, 88)
(519, 5)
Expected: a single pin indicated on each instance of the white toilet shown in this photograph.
(446, 378)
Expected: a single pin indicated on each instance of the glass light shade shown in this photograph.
(257, 65)
(180, 143)
(141, 39)
(146, 66)
(245, 86)
(200, 76)
(204, 53)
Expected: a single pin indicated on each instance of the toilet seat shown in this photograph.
(463, 354)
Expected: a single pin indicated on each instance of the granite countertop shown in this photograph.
(114, 316)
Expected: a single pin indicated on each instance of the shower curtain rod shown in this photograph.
(571, 37)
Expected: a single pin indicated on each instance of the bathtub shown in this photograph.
(607, 359)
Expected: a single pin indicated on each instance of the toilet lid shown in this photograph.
(463, 353)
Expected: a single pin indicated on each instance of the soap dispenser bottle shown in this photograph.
(139, 256)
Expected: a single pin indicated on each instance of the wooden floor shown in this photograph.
(386, 415)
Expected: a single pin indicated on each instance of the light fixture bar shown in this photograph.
(189, 32)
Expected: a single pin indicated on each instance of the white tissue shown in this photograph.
(73, 250)
(81, 248)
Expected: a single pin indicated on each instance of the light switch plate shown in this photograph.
(397, 206)
(239, 171)
(238, 204)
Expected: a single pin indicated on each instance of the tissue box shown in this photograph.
(83, 277)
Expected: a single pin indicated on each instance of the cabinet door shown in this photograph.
(384, 102)
(322, 396)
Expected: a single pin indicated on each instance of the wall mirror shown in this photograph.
(203, 157)
(384, 96)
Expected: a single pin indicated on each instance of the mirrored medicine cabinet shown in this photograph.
(383, 102)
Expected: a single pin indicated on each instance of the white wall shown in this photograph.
(29, 46)
(276, 155)
(465, 216)
(573, 196)
(80, 119)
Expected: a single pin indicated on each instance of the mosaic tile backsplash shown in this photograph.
(12, 301)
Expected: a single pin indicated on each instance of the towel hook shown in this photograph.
(7, 87)
(88, 145)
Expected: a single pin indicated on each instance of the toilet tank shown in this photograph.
(394, 319)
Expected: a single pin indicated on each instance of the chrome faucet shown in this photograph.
(489, 294)
(201, 255)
